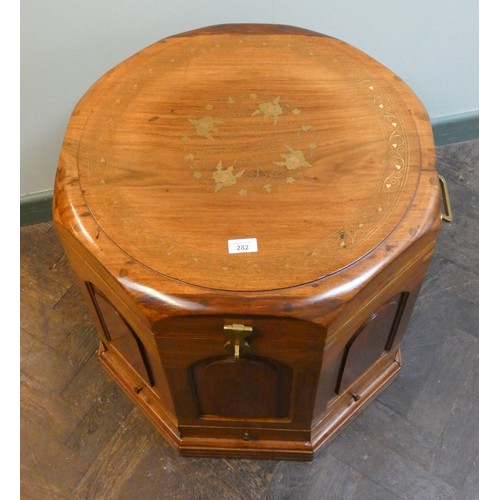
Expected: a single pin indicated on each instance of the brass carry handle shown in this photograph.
(239, 334)
(448, 214)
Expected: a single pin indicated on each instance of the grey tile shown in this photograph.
(470, 488)
(326, 477)
(444, 277)
(389, 429)
(457, 448)
(458, 241)
(459, 163)
(399, 475)
(457, 359)
(370, 490)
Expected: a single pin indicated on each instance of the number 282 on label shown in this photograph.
(245, 245)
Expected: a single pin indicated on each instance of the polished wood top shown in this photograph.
(287, 136)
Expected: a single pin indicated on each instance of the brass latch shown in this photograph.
(239, 334)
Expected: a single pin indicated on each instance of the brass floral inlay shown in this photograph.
(206, 125)
(259, 175)
(389, 189)
(270, 109)
(225, 176)
(293, 159)
(229, 168)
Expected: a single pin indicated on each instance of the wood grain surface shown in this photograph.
(284, 135)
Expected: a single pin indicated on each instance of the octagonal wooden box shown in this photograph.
(250, 211)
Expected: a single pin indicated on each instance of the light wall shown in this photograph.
(68, 44)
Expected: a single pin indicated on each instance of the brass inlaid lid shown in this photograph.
(292, 138)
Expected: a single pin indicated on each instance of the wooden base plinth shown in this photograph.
(148, 402)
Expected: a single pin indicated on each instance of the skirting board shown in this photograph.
(456, 128)
(37, 207)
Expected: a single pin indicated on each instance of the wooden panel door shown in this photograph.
(250, 387)
(371, 341)
(120, 336)
(273, 380)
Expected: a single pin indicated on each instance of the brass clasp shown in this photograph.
(239, 334)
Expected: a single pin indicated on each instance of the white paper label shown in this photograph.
(245, 245)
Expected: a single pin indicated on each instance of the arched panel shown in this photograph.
(370, 341)
(250, 387)
(121, 335)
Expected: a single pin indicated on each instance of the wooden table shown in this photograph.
(250, 210)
